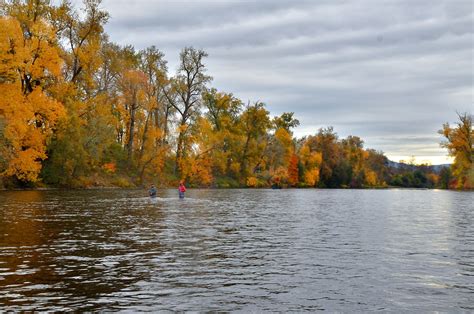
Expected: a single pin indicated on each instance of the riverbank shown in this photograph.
(92, 188)
(124, 181)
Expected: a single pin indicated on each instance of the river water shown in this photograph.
(237, 250)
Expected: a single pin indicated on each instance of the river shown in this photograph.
(237, 250)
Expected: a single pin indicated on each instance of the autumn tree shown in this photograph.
(254, 123)
(156, 112)
(310, 161)
(184, 95)
(293, 171)
(334, 169)
(223, 112)
(133, 83)
(223, 109)
(84, 135)
(459, 142)
(153, 64)
(82, 41)
(199, 160)
(353, 150)
(281, 147)
(29, 64)
(286, 121)
(377, 162)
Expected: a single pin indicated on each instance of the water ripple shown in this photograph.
(237, 250)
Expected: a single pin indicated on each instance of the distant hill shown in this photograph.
(437, 168)
(400, 165)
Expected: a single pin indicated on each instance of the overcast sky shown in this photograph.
(391, 72)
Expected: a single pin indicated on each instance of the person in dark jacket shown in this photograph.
(152, 191)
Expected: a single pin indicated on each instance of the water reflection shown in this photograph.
(247, 250)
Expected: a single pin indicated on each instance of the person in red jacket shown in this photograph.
(181, 189)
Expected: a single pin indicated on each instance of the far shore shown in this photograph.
(217, 188)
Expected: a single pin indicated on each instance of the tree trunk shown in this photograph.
(131, 134)
(179, 154)
(144, 137)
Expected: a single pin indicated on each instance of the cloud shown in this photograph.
(386, 70)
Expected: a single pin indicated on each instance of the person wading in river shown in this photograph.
(181, 189)
(152, 191)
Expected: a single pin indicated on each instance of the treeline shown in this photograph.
(77, 110)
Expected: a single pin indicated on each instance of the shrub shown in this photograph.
(252, 182)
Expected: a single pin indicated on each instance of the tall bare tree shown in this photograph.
(185, 95)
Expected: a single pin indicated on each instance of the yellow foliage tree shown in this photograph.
(460, 141)
(311, 161)
(29, 59)
(282, 148)
(311, 177)
(370, 177)
(200, 160)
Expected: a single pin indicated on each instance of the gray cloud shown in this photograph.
(389, 71)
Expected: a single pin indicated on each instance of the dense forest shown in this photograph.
(77, 110)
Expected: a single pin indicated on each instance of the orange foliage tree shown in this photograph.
(293, 175)
(30, 62)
